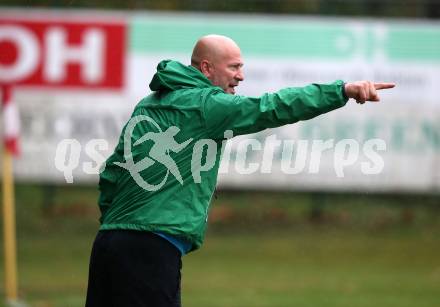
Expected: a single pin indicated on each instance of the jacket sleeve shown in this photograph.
(245, 115)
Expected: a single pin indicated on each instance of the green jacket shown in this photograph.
(183, 97)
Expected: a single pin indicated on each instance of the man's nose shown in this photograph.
(240, 75)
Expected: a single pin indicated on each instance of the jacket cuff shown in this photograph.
(344, 94)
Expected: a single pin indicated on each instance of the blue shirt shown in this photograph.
(182, 245)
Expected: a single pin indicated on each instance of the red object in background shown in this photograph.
(11, 121)
(62, 53)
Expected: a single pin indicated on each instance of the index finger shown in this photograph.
(381, 86)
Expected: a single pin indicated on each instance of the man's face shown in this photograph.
(227, 72)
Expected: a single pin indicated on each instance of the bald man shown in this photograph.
(219, 59)
(152, 211)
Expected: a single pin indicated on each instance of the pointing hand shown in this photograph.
(365, 90)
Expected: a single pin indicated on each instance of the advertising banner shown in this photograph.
(77, 76)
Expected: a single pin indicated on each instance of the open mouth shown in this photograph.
(232, 88)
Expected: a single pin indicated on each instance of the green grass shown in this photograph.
(261, 250)
(273, 268)
(315, 269)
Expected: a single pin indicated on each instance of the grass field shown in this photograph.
(261, 250)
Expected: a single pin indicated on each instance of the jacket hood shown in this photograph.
(173, 75)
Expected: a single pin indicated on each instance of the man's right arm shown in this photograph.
(244, 115)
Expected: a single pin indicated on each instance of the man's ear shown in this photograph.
(206, 68)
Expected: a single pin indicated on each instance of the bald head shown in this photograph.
(213, 48)
(218, 57)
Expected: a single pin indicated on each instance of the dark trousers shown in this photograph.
(133, 269)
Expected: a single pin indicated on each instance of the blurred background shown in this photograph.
(325, 234)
